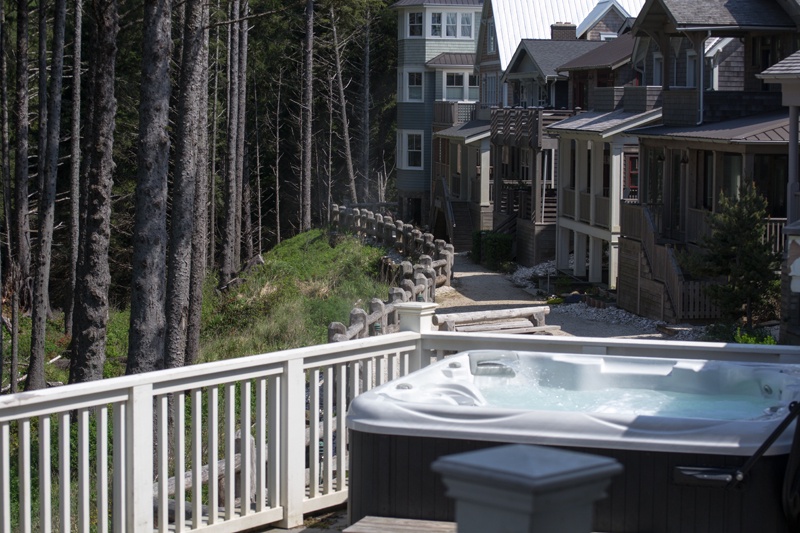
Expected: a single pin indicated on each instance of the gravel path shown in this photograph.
(476, 289)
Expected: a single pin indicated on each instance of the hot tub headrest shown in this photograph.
(492, 362)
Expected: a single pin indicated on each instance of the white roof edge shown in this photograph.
(597, 13)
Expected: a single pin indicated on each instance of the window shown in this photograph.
(658, 69)
(413, 150)
(415, 24)
(466, 25)
(631, 176)
(489, 90)
(454, 86)
(474, 88)
(731, 175)
(491, 39)
(451, 28)
(436, 24)
(691, 69)
(414, 86)
(607, 36)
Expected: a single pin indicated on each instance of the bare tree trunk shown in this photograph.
(242, 179)
(22, 239)
(146, 334)
(91, 316)
(200, 229)
(229, 241)
(184, 185)
(47, 206)
(348, 155)
(75, 167)
(329, 172)
(307, 105)
(258, 168)
(5, 160)
(365, 193)
(212, 223)
(278, 160)
(41, 154)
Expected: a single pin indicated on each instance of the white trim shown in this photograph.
(443, 23)
(691, 68)
(407, 21)
(405, 88)
(403, 147)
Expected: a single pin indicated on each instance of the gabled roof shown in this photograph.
(547, 55)
(786, 69)
(452, 59)
(422, 3)
(469, 132)
(515, 20)
(673, 16)
(767, 128)
(596, 14)
(612, 54)
(606, 123)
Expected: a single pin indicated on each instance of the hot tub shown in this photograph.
(652, 415)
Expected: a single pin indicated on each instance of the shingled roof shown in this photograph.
(674, 16)
(768, 128)
(548, 55)
(612, 54)
(788, 68)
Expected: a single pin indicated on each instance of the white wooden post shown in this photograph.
(293, 447)
(416, 317)
(139, 427)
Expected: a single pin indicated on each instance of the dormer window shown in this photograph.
(415, 24)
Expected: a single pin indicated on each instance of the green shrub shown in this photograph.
(496, 250)
(754, 336)
(728, 332)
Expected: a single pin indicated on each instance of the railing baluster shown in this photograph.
(64, 462)
(163, 462)
(45, 477)
(341, 430)
(274, 466)
(120, 474)
(5, 478)
(368, 374)
(355, 380)
(213, 453)
(244, 448)
(197, 458)
(382, 374)
(179, 458)
(261, 439)
(230, 445)
(327, 432)
(84, 479)
(24, 429)
(394, 365)
(101, 431)
(313, 432)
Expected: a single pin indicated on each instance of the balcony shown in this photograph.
(129, 478)
(522, 127)
(681, 105)
(446, 114)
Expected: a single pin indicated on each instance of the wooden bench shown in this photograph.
(520, 320)
(379, 524)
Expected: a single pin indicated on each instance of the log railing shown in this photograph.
(520, 320)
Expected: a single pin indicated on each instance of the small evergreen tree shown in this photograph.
(736, 250)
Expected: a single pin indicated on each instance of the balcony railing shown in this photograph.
(585, 207)
(451, 113)
(290, 403)
(567, 202)
(602, 211)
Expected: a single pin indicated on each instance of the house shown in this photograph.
(720, 125)
(599, 159)
(515, 60)
(436, 47)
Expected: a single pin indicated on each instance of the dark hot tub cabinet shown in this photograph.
(687, 457)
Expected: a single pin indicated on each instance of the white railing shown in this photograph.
(120, 436)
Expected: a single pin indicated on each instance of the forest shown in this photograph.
(147, 147)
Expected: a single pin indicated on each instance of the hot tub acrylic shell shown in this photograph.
(398, 429)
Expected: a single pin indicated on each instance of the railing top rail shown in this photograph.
(75, 396)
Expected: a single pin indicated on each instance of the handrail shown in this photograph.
(117, 431)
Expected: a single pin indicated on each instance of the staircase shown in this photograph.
(461, 232)
(549, 212)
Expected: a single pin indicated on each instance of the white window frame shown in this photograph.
(462, 86)
(451, 25)
(608, 36)
(407, 86)
(465, 24)
(421, 25)
(434, 24)
(476, 87)
(403, 149)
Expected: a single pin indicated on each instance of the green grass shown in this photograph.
(288, 302)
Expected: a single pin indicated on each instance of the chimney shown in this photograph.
(563, 31)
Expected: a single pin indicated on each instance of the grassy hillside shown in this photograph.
(288, 302)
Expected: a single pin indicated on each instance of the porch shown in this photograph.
(131, 473)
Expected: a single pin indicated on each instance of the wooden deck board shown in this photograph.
(379, 524)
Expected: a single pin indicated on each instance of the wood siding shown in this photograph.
(536, 243)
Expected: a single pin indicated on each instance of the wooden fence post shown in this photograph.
(376, 305)
(359, 316)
